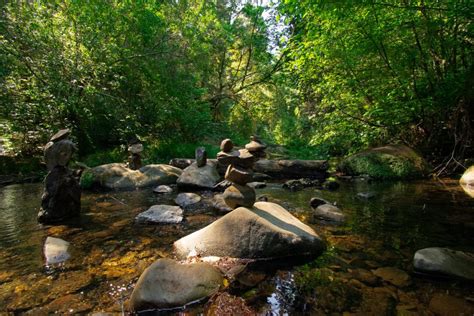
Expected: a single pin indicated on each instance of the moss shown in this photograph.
(87, 179)
(389, 162)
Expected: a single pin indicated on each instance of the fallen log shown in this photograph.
(280, 169)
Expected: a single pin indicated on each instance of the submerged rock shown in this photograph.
(444, 261)
(118, 176)
(166, 214)
(393, 275)
(443, 304)
(194, 177)
(163, 189)
(265, 231)
(167, 283)
(329, 212)
(315, 202)
(56, 250)
(186, 199)
(387, 162)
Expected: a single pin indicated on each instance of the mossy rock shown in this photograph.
(387, 162)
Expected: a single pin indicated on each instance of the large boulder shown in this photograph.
(264, 231)
(167, 283)
(444, 261)
(118, 176)
(194, 177)
(387, 162)
(292, 169)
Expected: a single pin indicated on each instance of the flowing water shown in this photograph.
(109, 251)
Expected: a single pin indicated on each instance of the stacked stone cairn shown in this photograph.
(62, 195)
(256, 147)
(239, 173)
(135, 148)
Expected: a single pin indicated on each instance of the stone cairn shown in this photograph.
(239, 173)
(62, 195)
(256, 147)
(135, 148)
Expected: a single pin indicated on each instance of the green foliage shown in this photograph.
(105, 157)
(87, 179)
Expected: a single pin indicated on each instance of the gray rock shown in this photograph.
(238, 175)
(315, 202)
(194, 177)
(265, 231)
(118, 176)
(58, 153)
(257, 185)
(165, 214)
(186, 199)
(445, 261)
(329, 212)
(56, 250)
(239, 195)
(201, 156)
(163, 189)
(167, 283)
(219, 204)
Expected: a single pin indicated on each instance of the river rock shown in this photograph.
(58, 153)
(194, 177)
(443, 304)
(163, 189)
(118, 176)
(315, 202)
(387, 162)
(238, 175)
(393, 275)
(219, 204)
(445, 261)
(266, 230)
(239, 195)
(56, 250)
(226, 145)
(201, 156)
(164, 214)
(329, 212)
(186, 199)
(241, 157)
(167, 283)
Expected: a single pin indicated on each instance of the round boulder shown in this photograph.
(239, 195)
(264, 231)
(167, 283)
(226, 145)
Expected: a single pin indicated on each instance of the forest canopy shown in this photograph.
(334, 76)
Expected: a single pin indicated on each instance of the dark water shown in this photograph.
(109, 251)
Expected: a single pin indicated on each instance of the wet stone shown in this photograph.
(166, 214)
(186, 199)
(56, 250)
(163, 189)
(393, 275)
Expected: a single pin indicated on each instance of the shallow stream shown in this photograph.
(109, 251)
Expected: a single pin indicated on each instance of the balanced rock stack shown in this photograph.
(62, 195)
(256, 147)
(135, 148)
(239, 172)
